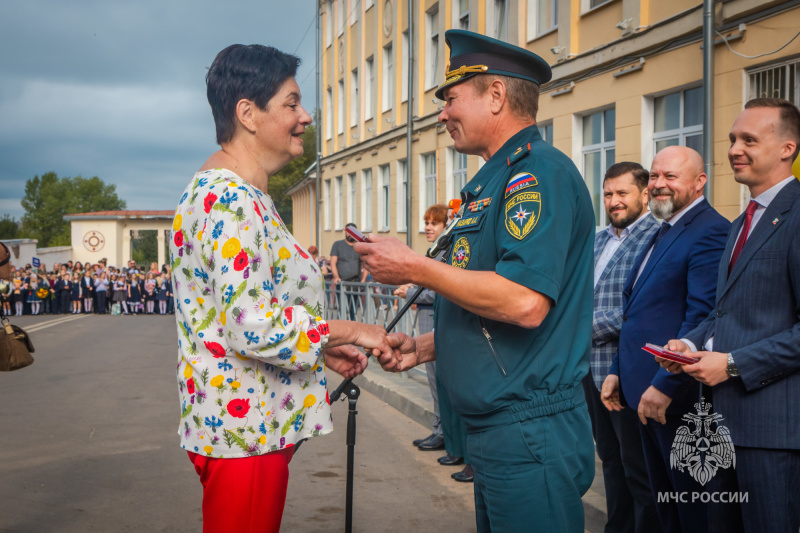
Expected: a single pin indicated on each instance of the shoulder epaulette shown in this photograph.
(518, 154)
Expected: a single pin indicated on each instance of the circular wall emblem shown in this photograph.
(94, 241)
(388, 19)
(460, 256)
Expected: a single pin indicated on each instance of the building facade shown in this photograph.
(627, 81)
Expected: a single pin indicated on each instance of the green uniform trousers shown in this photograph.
(530, 475)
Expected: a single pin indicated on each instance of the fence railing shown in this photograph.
(370, 303)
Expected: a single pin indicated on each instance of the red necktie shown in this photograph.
(748, 219)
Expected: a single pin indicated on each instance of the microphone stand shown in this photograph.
(353, 391)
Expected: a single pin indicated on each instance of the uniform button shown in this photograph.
(720, 312)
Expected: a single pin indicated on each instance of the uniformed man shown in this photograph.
(514, 313)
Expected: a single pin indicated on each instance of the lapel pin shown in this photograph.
(774, 222)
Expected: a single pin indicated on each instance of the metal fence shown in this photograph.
(370, 303)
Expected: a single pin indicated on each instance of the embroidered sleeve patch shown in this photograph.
(520, 181)
(522, 213)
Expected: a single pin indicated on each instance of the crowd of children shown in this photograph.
(87, 288)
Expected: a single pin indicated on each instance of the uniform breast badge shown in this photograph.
(460, 255)
(520, 181)
(522, 213)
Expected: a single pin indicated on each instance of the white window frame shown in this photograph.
(326, 204)
(534, 8)
(544, 126)
(404, 67)
(425, 200)
(351, 197)
(384, 198)
(454, 175)
(368, 4)
(387, 89)
(340, 109)
(354, 11)
(461, 19)
(354, 98)
(338, 203)
(784, 69)
(369, 89)
(329, 114)
(494, 27)
(586, 5)
(680, 133)
(602, 147)
(432, 50)
(328, 23)
(366, 200)
(402, 181)
(341, 6)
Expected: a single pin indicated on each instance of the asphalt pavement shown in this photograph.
(89, 443)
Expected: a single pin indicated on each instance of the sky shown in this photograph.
(117, 89)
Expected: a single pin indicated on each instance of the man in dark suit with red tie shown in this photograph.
(751, 340)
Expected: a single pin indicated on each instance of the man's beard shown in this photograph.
(631, 215)
(665, 209)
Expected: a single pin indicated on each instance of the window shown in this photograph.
(404, 68)
(369, 90)
(351, 197)
(354, 9)
(596, 3)
(776, 81)
(340, 117)
(338, 206)
(432, 50)
(354, 98)
(427, 186)
(383, 198)
(328, 22)
(388, 79)
(326, 204)
(546, 131)
(329, 113)
(340, 7)
(368, 3)
(459, 180)
(499, 19)
(678, 120)
(599, 135)
(366, 199)
(463, 15)
(402, 184)
(542, 17)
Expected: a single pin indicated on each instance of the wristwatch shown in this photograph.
(731, 369)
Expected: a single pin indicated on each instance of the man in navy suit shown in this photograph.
(629, 502)
(669, 291)
(751, 340)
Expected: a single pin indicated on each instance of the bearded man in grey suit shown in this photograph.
(629, 501)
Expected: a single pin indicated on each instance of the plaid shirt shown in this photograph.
(608, 293)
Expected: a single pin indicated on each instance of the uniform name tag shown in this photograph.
(470, 221)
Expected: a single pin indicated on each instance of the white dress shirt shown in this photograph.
(763, 200)
(612, 244)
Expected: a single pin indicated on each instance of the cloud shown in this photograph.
(117, 90)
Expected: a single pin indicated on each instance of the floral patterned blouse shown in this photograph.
(248, 303)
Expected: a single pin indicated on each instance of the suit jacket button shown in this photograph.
(624, 318)
(720, 313)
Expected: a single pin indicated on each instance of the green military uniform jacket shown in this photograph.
(528, 217)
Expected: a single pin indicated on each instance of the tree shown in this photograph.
(49, 198)
(9, 227)
(292, 173)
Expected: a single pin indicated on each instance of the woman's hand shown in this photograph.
(402, 290)
(346, 360)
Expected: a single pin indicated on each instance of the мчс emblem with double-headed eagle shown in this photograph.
(702, 450)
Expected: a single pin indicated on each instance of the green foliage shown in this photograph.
(48, 198)
(144, 248)
(9, 228)
(280, 182)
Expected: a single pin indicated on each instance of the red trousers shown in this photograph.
(243, 495)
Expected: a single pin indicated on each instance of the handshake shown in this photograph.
(396, 352)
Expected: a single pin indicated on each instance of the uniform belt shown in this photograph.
(543, 405)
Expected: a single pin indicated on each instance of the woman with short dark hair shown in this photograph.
(253, 344)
